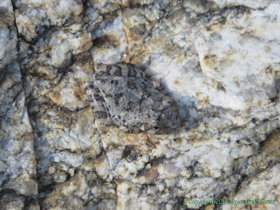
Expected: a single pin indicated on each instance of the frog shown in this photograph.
(120, 95)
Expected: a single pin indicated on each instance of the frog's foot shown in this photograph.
(123, 129)
(98, 105)
(128, 130)
(120, 70)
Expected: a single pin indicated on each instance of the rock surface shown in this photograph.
(220, 60)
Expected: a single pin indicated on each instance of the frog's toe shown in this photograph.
(143, 128)
(123, 129)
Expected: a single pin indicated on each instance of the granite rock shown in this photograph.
(218, 59)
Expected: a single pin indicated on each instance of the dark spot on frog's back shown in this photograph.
(131, 85)
(118, 67)
(100, 115)
(131, 72)
(114, 82)
(130, 106)
(117, 98)
(118, 72)
(171, 103)
(108, 68)
(119, 95)
(145, 91)
(98, 98)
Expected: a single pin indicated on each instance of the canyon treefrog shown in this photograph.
(119, 95)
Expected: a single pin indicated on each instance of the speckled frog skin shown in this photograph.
(119, 95)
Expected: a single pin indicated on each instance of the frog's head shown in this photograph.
(167, 121)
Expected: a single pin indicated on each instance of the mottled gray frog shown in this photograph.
(119, 95)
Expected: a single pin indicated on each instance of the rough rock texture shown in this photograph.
(220, 60)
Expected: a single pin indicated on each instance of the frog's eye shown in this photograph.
(156, 128)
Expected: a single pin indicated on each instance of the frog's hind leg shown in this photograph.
(98, 105)
(120, 70)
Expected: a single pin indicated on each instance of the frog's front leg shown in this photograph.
(120, 70)
(158, 86)
(129, 130)
(98, 105)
